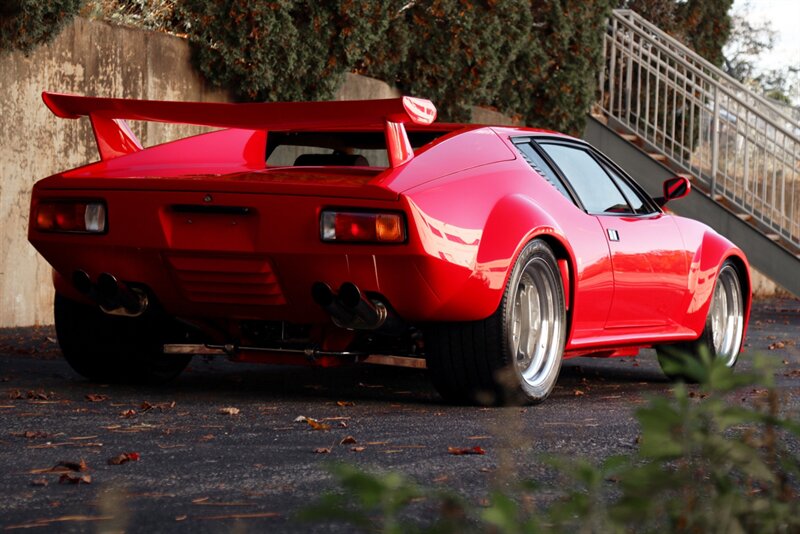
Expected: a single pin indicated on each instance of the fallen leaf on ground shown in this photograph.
(63, 519)
(349, 440)
(460, 451)
(207, 437)
(579, 393)
(322, 450)
(777, 345)
(41, 395)
(123, 458)
(74, 466)
(56, 469)
(313, 423)
(127, 414)
(206, 501)
(96, 397)
(230, 410)
(73, 478)
(241, 516)
(345, 403)
(358, 449)
(31, 434)
(163, 406)
(39, 482)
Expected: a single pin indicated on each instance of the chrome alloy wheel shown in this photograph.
(536, 323)
(726, 316)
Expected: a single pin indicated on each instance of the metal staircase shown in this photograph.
(664, 110)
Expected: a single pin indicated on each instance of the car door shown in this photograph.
(593, 278)
(648, 258)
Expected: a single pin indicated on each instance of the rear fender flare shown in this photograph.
(515, 221)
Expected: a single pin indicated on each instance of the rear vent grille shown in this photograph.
(227, 280)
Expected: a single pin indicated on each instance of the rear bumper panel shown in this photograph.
(256, 263)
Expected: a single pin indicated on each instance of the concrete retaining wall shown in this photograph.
(91, 58)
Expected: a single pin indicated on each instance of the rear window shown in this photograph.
(359, 149)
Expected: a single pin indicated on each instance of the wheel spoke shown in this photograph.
(726, 316)
(537, 318)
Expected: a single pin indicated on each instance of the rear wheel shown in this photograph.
(722, 336)
(513, 356)
(106, 348)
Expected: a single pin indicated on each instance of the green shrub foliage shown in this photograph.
(703, 25)
(557, 70)
(284, 49)
(534, 60)
(457, 53)
(27, 23)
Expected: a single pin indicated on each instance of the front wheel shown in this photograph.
(724, 329)
(105, 348)
(514, 355)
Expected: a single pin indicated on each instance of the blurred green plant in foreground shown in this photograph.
(706, 463)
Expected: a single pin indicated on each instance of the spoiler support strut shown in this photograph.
(115, 139)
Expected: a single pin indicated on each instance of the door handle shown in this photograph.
(613, 235)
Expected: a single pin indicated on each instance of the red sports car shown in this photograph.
(330, 233)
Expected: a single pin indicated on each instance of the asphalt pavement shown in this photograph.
(228, 447)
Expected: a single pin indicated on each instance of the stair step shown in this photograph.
(689, 177)
(773, 237)
(600, 118)
(717, 197)
(631, 138)
(745, 216)
(656, 156)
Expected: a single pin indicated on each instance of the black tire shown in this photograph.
(483, 362)
(106, 348)
(722, 336)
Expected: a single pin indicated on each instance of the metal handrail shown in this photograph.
(739, 145)
(702, 63)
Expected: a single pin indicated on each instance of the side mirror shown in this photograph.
(677, 187)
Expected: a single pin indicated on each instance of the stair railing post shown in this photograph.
(715, 141)
(612, 76)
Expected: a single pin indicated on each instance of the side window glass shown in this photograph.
(591, 183)
(541, 167)
(634, 199)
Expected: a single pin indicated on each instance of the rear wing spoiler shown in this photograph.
(114, 137)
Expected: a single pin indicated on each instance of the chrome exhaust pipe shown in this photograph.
(82, 282)
(353, 310)
(371, 314)
(113, 297)
(118, 296)
(323, 295)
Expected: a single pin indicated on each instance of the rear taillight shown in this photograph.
(362, 227)
(69, 216)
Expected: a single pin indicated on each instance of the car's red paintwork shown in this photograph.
(470, 201)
